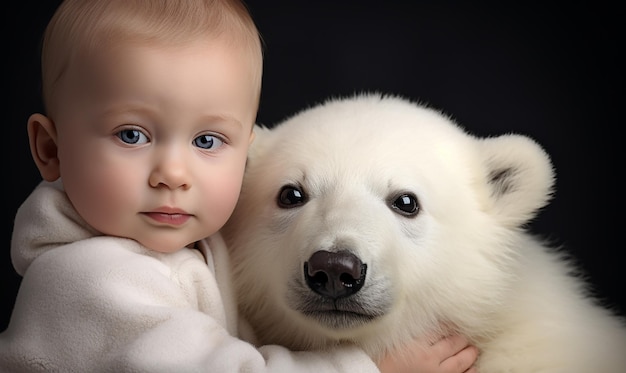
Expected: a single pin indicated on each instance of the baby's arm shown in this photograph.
(108, 305)
(451, 354)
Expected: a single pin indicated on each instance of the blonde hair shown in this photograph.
(85, 25)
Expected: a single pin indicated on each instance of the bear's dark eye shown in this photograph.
(291, 196)
(405, 204)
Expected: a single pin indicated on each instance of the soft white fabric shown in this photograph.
(91, 303)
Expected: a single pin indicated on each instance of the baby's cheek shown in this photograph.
(219, 203)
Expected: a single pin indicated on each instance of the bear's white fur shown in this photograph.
(436, 216)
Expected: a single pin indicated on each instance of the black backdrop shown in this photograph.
(549, 71)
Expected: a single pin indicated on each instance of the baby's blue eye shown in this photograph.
(131, 136)
(208, 142)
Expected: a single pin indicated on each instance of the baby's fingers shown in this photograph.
(461, 361)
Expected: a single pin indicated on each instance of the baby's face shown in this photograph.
(152, 141)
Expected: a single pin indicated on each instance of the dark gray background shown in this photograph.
(553, 72)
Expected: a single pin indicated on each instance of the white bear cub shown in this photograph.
(372, 220)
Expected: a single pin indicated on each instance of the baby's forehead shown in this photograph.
(159, 84)
(92, 68)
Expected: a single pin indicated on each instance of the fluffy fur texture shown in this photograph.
(371, 220)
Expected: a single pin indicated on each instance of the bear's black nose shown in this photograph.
(334, 275)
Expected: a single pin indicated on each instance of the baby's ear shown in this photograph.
(259, 144)
(520, 177)
(42, 136)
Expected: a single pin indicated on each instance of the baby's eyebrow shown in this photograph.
(222, 119)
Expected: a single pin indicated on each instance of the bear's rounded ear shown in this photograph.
(519, 175)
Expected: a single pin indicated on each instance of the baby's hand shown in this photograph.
(451, 354)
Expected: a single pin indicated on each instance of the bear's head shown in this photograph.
(373, 219)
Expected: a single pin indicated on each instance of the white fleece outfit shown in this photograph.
(93, 303)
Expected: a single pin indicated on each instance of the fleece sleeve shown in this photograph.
(105, 305)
